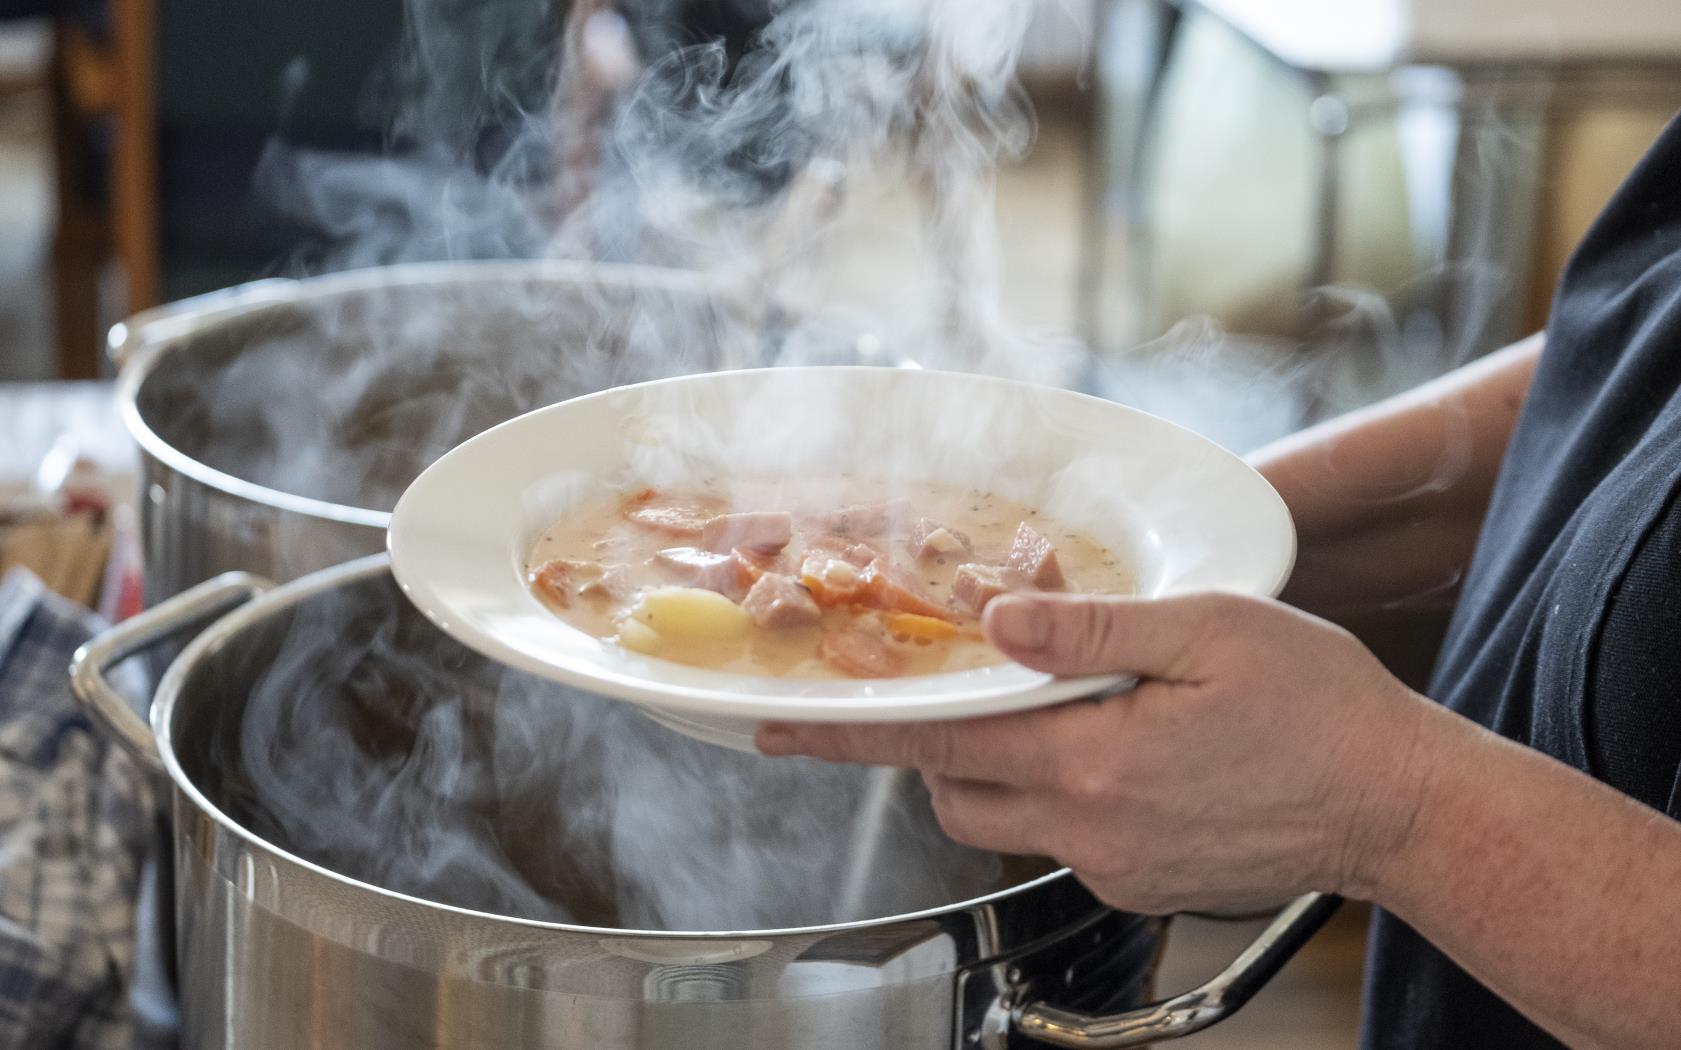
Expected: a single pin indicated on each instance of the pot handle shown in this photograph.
(172, 320)
(88, 668)
(1194, 1010)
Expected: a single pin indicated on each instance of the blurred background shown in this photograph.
(1404, 175)
(1250, 214)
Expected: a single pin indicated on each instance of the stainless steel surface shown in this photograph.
(1192, 1011)
(185, 316)
(277, 951)
(229, 394)
(284, 956)
(92, 662)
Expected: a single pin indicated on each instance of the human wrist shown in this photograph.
(1396, 802)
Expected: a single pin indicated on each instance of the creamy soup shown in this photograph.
(805, 580)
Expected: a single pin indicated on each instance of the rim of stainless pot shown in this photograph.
(287, 595)
(138, 363)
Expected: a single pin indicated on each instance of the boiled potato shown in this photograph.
(638, 637)
(691, 614)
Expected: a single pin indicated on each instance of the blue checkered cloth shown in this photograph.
(75, 820)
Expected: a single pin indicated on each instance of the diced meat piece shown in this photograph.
(777, 601)
(860, 653)
(1033, 556)
(681, 518)
(976, 585)
(697, 568)
(889, 587)
(930, 539)
(756, 563)
(676, 521)
(859, 554)
(756, 530)
(865, 519)
(832, 581)
(553, 581)
(612, 585)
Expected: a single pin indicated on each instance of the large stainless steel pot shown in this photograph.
(279, 421)
(279, 949)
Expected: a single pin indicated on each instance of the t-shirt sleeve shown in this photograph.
(1633, 705)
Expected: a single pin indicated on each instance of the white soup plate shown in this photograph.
(1185, 514)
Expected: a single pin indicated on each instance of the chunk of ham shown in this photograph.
(1033, 556)
(678, 518)
(612, 585)
(757, 530)
(930, 539)
(860, 653)
(776, 601)
(756, 563)
(693, 567)
(976, 585)
(865, 519)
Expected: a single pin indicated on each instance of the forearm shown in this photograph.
(1388, 500)
(1556, 891)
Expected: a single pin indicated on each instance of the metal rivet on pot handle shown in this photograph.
(1194, 1010)
(171, 320)
(191, 608)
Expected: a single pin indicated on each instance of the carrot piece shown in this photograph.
(923, 629)
(895, 590)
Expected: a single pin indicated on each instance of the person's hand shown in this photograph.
(1264, 754)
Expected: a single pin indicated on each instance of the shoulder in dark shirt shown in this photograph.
(1567, 636)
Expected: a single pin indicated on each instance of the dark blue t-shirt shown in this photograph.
(1568, 634)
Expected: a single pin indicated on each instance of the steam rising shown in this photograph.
(377, 748)
(733, 166)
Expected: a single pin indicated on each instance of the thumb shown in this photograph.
(1074, 634)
